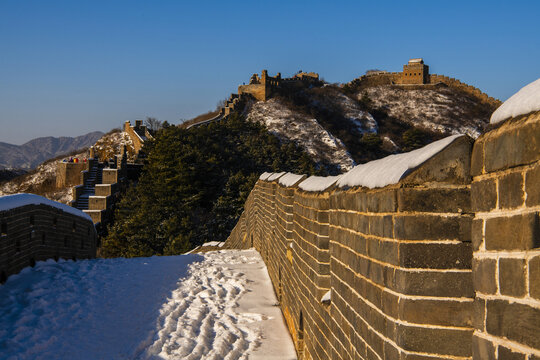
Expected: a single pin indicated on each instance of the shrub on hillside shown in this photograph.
(194, 185)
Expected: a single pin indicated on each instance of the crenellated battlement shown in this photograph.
(264, 86)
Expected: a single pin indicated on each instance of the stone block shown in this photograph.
(483, 271)
(477, 234)
(513, 144)
(436, 312)
(505, 353)
(534, 277)
(451, 165)
(477, 157)
(440, 341)
(432, 227)
(435, 255)
(532, 186)
(484, 195)
(512, 277)
(434, 200)
(483, 349)
(381, 201)
(479, 314)
(381, 226)
(511, 193)
(438, 283)
(517, 322)
(519, 232)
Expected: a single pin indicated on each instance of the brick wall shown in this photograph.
(32, 233)
(399, 262)
(506, 239)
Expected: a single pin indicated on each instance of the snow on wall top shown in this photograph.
(264, 176)
(390, 170)
(523, 102)
(9, 202)
(275, 176)
(290, 179)
(318, 183)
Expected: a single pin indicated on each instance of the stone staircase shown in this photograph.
(94, 177)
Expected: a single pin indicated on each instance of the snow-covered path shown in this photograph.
(217, 305)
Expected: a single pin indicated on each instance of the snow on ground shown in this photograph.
(349, 108)
(218, 305)
(389, 170)
(441, 109)
(112, 144)
(526, 100)
(303, 130)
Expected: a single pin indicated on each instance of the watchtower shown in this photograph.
(415, 72)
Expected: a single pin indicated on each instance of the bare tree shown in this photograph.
(153, 124)
(221, 104)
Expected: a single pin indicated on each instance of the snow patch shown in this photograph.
(264, 176)
(318, 183)
(389, 170)
(303, 130)
(441, 110)
(275, 176)
(327, 297)
(214, 243)
(526, 100)
(290, 179)
(9, 202)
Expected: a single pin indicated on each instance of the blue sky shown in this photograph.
(70, 67)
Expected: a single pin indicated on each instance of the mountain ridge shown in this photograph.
(32, 153)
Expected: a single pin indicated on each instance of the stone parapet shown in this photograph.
(33, 233)
(434, 266)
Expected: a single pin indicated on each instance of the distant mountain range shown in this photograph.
(34, 152)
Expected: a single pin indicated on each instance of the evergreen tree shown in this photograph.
(194, 185)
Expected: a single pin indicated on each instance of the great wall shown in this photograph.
(444, 264)
(415, 74)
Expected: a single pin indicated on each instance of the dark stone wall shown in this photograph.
(506, 240)
(39, 232)
(442, 268)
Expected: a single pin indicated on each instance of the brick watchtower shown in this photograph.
(415, 72)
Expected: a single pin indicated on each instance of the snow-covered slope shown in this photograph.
(112, 144)
(42, 180)
(334, 100)
(441, 109)
(218, 305)
(302, 129)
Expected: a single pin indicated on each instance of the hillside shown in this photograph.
(36, 151)
(339, 126)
